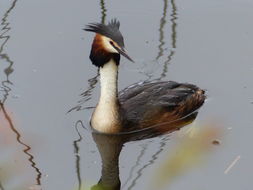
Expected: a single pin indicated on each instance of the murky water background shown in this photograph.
(45, 72)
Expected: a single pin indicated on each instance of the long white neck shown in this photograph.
(109, 82)
(106, 115)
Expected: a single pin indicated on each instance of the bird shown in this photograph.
(140, 105)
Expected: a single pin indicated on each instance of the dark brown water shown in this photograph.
(45, 72)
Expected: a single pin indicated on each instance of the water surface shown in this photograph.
(45, 72)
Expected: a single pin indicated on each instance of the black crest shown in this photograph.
(111, 30)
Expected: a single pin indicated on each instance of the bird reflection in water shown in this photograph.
(110, 146)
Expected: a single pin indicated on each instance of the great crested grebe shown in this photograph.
(138, 106)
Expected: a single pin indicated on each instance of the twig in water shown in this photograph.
(232, 164)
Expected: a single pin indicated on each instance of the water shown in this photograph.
(45, 72)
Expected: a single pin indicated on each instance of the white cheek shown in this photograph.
(108, 46)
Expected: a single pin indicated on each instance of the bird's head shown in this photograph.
(107, 44)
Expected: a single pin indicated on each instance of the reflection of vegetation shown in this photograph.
(173, 23)
(6, 89)
(78, 158)
(137, 163)
(173, 35)
(27, 147)
(150, 162)
(161, 28)
(86, 95)
(165, 66)
(103, 11)
(8, 70)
